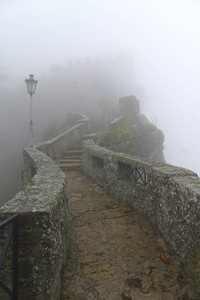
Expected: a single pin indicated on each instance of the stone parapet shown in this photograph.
(43, 220)
(169, 195)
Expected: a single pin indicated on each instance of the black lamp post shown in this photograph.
(31, 87)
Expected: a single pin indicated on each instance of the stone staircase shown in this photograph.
(71, 159)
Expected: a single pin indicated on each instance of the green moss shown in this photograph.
(141, 139)
(123, 134)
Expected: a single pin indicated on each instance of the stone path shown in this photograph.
(117, 254)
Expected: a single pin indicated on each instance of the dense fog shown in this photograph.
(85, 56)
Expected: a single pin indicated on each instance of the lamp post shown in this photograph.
(31, 87)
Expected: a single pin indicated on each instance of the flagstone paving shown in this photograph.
(116, 252)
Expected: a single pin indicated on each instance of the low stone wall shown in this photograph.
(169, 195)
(59, 144)
(43, 219)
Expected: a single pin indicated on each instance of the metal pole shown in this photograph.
(15, 261)
(31, 121)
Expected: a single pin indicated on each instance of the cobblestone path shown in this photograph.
(117, 254)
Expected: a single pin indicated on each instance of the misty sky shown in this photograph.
(162, 35)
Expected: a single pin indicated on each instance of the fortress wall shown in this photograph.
(43, 220)
(169, 195)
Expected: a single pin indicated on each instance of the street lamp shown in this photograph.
(31, 87)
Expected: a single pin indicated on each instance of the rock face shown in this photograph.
(132, 133)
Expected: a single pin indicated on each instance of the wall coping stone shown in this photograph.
(38, 195)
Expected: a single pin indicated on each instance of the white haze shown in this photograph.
(162, 35)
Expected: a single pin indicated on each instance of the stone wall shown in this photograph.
(43, 219)
(169, 195)
(129, 106)
(57, 145)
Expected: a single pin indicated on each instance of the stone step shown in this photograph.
(71, 157)
(69, 160)
(70, 166)
(72, 152)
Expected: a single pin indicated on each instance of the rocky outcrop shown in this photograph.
(132, 133)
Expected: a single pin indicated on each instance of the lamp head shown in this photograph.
(31, 84)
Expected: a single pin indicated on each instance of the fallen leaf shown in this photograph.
(164, 259)
(114, 206)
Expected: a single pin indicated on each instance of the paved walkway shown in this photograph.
(117, 254)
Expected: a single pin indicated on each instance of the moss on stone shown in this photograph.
(136, 137)
(123, 137)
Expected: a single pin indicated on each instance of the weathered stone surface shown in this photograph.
(88, 257)
(102, 271)
(80, 205)
(81, 230)
(111, 289)
(113, 226)
(90, 241)
(118, 255)
(129, 106)
(92, 216)
(170, 197)
(91, 296)
(138, 295)
(43, 227)
(114, 212)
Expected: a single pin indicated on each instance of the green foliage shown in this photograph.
(122, 137)
(136, 138)
(122, 132)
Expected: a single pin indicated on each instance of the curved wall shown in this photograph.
(169, 195)
(43, 219)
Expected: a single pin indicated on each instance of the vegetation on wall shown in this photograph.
(122, 137)
(135, 138)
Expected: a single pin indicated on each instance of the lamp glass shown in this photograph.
(31, 84)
